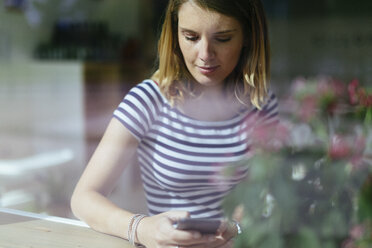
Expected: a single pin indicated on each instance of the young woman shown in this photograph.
(186, 126)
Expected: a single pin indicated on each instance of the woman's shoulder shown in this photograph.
(148, 85)
(270, 98)
(269, 109)
(149, 89)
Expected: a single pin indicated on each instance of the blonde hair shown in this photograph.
(251, 75)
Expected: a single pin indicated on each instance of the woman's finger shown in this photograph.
(238, 213)
(191, 239)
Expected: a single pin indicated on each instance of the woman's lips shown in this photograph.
(207, 69)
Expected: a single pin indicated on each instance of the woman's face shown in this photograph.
(210, 43)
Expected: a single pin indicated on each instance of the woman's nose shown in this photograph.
(206, 50)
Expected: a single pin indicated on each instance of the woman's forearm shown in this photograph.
(89, 201)
(100, 213)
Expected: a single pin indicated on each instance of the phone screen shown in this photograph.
(205, 226)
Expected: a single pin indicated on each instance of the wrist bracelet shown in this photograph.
(132, 228)
(129, 233)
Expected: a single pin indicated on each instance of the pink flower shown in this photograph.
(352, 89)
(282, 133)
(357, 163)
(329, 93)
(261, 136)
(338, 88)
(272, 137)
(324, 86)
(308, 108)
(359, 95)
(351, 149)
(298, 85)
(339, 148)
(357, 232)
(329, 86)
(349, 243)
(368, 102)
(364, 98)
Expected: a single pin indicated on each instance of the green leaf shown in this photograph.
(272, 241)
(334, 225)
(306, 238)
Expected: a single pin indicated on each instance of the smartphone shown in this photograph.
(204, 226)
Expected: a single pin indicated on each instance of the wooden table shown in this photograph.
(20, 229)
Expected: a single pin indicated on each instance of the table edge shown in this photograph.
(44, 217)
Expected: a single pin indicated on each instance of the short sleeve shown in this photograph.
(269, 112)
(138, 109)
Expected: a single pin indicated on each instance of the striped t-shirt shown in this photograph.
(184, 162)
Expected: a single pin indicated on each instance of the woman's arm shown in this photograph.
(89, 201)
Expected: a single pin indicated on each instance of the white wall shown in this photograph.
(41, 116)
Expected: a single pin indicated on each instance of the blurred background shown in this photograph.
(65, 66)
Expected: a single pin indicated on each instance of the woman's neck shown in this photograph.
(211, 92)
(211, 104)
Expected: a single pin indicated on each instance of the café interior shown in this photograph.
(66, 65)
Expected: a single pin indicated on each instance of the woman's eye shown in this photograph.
(191, 38)
(224, 39)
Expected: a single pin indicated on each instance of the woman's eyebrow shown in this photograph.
(226, 31)
(219, 32)
(187, 30)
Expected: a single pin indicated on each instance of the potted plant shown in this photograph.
(309, 181)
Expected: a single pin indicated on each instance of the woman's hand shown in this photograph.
(227, 231)
(158, 231)
(223, 238)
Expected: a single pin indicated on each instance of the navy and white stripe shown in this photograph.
(183, 161)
